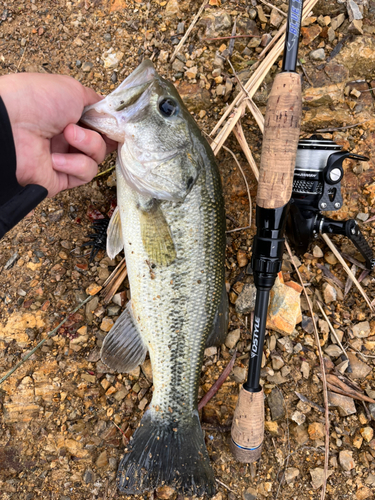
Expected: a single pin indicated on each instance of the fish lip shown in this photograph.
(144, 73)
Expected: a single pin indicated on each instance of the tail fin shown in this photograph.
(172, 454)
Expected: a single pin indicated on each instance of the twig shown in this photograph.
(225, 486)
(361, 353)
(354, 261)
(244, 178)
(22, 57)
(324, 379)
(240, 136)
(346, 267)
(105, 172)
(231, 37)
(350, 394)
(341, 128)
(232, 40)
(330, 275)
(238, 229)
(349, 281)
(331, 328)
(193, 23)
(51, 334)
(274, 7)
(219, 382)
(311, 403)
(304, 72)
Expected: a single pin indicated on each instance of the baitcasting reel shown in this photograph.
(317, 187)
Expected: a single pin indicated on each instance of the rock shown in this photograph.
(370, 479)
(250, 494)
(300, 434)
(329, 293)
(367, 433)
(261, 16)
(111, 58)
(284, 310)
(172, 8)
(305, 369)
(271, 427)
(359, 369)
(275, 402)
(333, 350)
(344, 404)
(346, 460)
(371, 407)
(353, 10)
(361, 330)
(106, 324)
(310, 33)
(276, 18)
(336, 72)
(93, 289)
(286, 345)
(88, 476)
(307, 324)
(359, 57)
(277, 361)
(217, 23)
(239, 374)
(242, 258)
(317, 252)
(195, 98)
(317, 477)
(318, 55)
(56, 216)
(245, 303)
(90, 308)
(178, 65)
(87, 67)
(298, 417)
(337, 21)
(316, 431)
(290, 474)
(119, 299)
(210, 351)
(163, 56)
(102, 460)
(232, 338)
(355, 27)
(165, 492)
(191, 73)
(276, 379)
(364, 493)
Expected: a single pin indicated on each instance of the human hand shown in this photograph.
(51, 149)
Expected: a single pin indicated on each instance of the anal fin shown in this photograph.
(221, 320)
(123, 348)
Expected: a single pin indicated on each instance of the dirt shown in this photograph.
(64, 417)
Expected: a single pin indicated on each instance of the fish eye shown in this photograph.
(168, 107)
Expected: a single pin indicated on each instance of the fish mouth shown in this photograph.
(103, 116)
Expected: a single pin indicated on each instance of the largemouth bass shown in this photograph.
(170, 221)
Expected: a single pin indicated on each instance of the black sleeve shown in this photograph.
(15, 201)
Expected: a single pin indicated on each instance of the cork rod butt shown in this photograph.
(248, 426)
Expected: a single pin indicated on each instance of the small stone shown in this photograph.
(56, 216)
(359, 369)
(331, 34)
(364, 493)
(317, 252)
(367, 433)
(284, 310)
(78, 41)
(361, 330)
(370, 479)
(163, 56)
(271, 427)
(286, 345)
(113, 310)
(353, 10)
(277, 362)
(178, 65)
(275, 402)
(239, 374)
(329, 293)
(307, 324)
(290, 474)
(305, 369)
(87, 67)
(317, 477)
(333, 350)
(371, 408)
(318, 55)
(298, 417)
(361, 215)
(210, 351)
(93, 289)
(316, 431)
(78, 63)
(102, 460)
(232, 338)
(330, 258)
(113, 80)
(355, 27)
(88, 476)
(147, 369)
(250, 494)
(165, 492)
(191, 73)
(107, 37)
(242, 258)
(310, 33)
(357, 441)
(276, 18)
(261, 16)
(277, 379)
(111, 58)
(337, 21)
(346, 460)
(119, 299)
(344, 404)
(265, 40)
(245, 303)
(106, 324)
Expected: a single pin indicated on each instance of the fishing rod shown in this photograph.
(279, 148)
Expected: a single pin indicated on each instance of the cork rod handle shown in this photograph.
(248, 426)
(280, 140)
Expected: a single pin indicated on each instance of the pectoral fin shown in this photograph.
(114, 235)
(156, 237)
(123, 348)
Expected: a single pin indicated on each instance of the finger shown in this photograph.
(88, 141)
(77, 165)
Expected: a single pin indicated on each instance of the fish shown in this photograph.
(170, 221)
